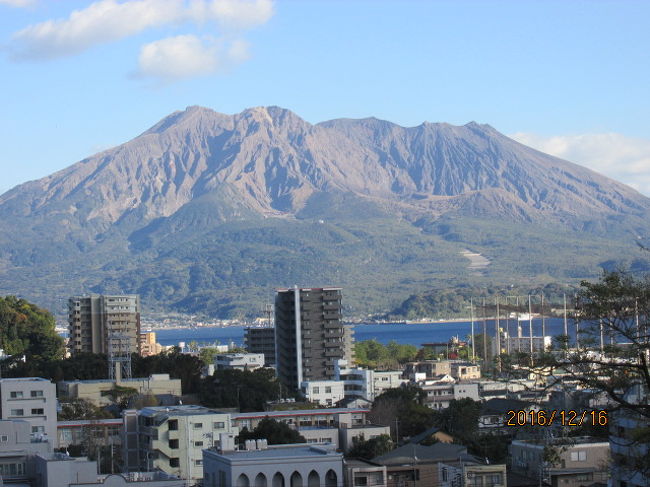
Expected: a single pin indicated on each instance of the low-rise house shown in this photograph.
(504, 415)
(353, 434)
(426, 369)
(390, 379)
(239, 361)
(469, 471)
(272, 465)
(567, 462)
(417, 465)
(361, 473)
(323, 392)
(461, 370)
(439, 394)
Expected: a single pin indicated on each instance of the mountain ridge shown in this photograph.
(208, 180)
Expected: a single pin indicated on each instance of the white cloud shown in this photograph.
(184, 56)
(623, 158)
(17, 3)
(109, 20)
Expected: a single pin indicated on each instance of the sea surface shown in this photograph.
(408, 334)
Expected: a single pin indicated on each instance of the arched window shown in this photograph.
(331, 479)
(314, 479)
(296, 480)
(242, 481)
(278, 480)
(260, 480)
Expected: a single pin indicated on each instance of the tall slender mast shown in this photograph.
(530, 327)
(471, 314)
(498, 335)
(485, 335)
(543, 320)
(566, 326)
(518, 328)
(498, 328)
(577, 323)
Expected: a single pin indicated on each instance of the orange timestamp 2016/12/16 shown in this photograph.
(563, 418)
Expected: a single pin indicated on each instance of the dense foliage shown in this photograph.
(77, 409)
(28, 330)
(243, 389)
(369, 449)
(372, 354)
(181, 366)
(402, 408)
(275, 432)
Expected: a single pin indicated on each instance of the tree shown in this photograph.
(247, 390)
(613, 349)
(402, 409)
(207, 355)
(368, 449)
(26, 329)
(275, 432)
(611, 356)
(77, 409)
(460, 419)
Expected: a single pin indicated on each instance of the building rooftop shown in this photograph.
(180, 410)
(498, 405)
(23, 379)
(280, 452)
(569, 441)
(298, 412)
(412, 453)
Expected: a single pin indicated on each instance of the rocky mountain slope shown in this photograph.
(209, 212)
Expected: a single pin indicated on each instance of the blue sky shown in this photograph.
(569, 77)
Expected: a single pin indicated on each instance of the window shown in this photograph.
(38, 429)
(16, 394)
(198, 443)
(17, 412)
(173, 425)
(173, 444)
(36, 393)
(174, 463)
(218, 425)
(38, 412)
(4, 438)
(579, 456)
(198, 426)
(328, 390)
(198, 462)
(315, 390)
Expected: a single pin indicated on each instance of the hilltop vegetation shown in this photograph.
(27, 330)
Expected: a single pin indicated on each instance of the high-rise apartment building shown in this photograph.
(104, 324)
(309, 334)
(261, 340)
